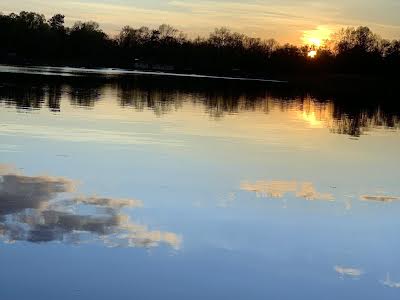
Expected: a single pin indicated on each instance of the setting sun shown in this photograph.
(312, 53)
(315, 41)
(316, 37)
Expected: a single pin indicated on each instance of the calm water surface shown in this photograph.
(172, 188)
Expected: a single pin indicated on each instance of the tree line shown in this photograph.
(30, 38)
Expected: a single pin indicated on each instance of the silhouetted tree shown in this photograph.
(28, 38)
(57, 22)
(89, 43)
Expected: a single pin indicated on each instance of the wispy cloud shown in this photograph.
(285, 20)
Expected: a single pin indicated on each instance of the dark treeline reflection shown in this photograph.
(344, 113)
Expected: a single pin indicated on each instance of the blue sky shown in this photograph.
(284, 20)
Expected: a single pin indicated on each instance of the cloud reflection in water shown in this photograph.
(351, 272)
(278, 189)
(388, 282)
(42, 209)
(379, 198)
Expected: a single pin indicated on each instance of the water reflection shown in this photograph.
(388, 282)
(278, 189)
(343, 114)
(379, 198)
(350, 272)
(192, 149)
(54, 94)
(44, 209)
(81, 94)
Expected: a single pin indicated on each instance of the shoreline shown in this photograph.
(334, 83)
(82, 71)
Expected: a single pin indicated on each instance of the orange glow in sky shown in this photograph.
(299, 22)
(316, 37)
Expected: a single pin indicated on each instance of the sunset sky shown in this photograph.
(295, 21)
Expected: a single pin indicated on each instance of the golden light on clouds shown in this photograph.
(286, 21)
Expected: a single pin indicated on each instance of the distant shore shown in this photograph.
(326, 82)
(79, 71)
(353, 57)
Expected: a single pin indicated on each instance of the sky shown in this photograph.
(294, 21)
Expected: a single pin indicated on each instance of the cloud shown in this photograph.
(285, 20)
(243, 10)
(379, 198)
(42, 209)
(278, 189)
(352, 272)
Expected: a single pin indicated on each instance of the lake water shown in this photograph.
(148, 187)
